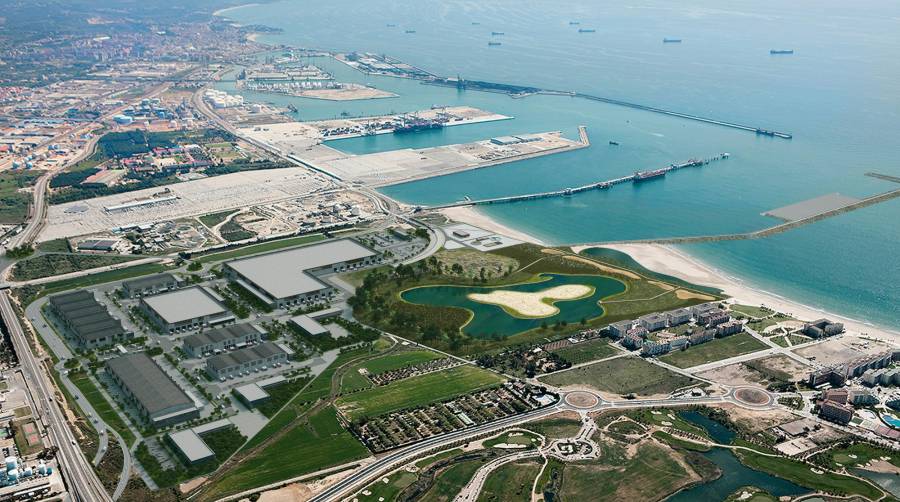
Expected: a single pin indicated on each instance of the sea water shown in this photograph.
(839, 94)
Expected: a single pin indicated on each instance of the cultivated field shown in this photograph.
(623, 375)
(416, 391)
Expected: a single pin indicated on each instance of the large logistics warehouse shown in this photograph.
(257, 357)
(158, 399)
(185, 310)
(220, 339)
(285, 278)
(88, 320)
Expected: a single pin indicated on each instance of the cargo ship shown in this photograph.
(391, 25)
(475, 23)
(497, 33)
(671, 40)
(586, 30)
(410, 31)
(613, 143)
(779, 51)
(574, 23)
(494, 43)
(417, 127)
(649, 175)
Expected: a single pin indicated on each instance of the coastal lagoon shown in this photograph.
(489, 321)
(839, 94)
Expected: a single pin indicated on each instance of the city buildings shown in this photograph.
(620, 329)
(221, 339)
(836, 412)
(185, 310)
(285, 278)
(653, 322)
(822, 328)
(88, 321)
(154, 394)
(678, 316)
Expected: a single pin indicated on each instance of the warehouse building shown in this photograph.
(256, 358)
(285, 278)
(309, 326)
(190, 447)
(155, 395)
(150, 285)
(87, 320)
(185, 310)
(221, 339)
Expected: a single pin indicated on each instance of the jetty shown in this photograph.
(599, 185)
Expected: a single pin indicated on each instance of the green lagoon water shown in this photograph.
(489, 321)
(839, 94)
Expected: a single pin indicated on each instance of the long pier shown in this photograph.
(637, 177)
(765, 232)
(698, 118)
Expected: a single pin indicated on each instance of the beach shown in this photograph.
(671, 261)
(227, 9)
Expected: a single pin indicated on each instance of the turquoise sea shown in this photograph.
(839, 94)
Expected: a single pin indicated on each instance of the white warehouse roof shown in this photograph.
(283, 274)
(184, 304)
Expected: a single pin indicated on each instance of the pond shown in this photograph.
(734, 473)
(488, 321)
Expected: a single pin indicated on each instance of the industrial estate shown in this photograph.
(204, 299)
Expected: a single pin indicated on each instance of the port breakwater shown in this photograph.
(571, 191)
(765, 232)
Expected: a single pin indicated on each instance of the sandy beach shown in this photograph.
(227, 9)
(671, 261)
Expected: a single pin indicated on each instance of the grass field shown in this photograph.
(260, 248)
(715, 350)
(14, 203)
(316, 445)
(652, 474)
(587, 351)
(862, 453)
(514, 437)
(511, 482)
(451, 481)
(623, 375)
(556, 427)
(802, 474)
(213, 219)
(354, 380)
(28, 294)
(102, 406)
(416, 391)
(751, 310)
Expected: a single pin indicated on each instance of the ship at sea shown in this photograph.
(494, 43)
(475, 23)
(497, 33)
(574, 23)
(781, 51)
(649, 175)
(391, 25)
(586, 30)
(613, 143)
(671, 40)
(410, 31)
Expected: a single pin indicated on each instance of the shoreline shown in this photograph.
(677, 263)
(220, 12)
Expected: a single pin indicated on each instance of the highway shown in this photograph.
(81, 480)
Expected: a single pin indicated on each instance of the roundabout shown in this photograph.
(582, 399)
(752, 396)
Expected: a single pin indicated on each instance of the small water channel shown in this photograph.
(734, 474)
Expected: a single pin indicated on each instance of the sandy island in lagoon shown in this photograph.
(537, 304)
(675, 262)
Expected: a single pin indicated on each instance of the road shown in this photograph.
(81, 481)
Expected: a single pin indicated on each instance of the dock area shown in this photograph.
(402, 166)
(631, 178)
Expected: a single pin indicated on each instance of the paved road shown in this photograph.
(81, 481)
(473, 488)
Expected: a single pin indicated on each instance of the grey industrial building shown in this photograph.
(88, 321)
(185, 310)
(285, 278)
(150, 285)
(155, 395)
(309, 326)
(221, 339)
(254, 358)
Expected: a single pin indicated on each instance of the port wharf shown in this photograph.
(637, 177)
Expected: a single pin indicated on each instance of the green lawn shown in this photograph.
(623, 375)
(862, 453)
(555, 427)
(715, 350)
(751, 310)
(48, 265)
(416, 391)
(587, 351)
(354, 380)
(451, 481)
(260, 248)
(102, 406)
(514, 437)
(319, 444)
(213, 219)
(511, 482)
(802, 474)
